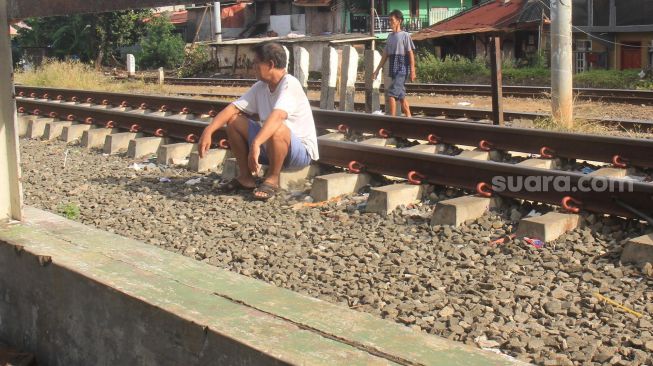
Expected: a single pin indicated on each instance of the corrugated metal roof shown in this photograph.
(491, 16)
(312, 2)
(533, 11)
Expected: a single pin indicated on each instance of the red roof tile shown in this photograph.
(488, 17)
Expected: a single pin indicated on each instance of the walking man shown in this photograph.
(272, 123)
(399, 49)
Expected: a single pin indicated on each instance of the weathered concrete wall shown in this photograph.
(74, 295)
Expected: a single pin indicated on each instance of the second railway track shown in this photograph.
(609, 95)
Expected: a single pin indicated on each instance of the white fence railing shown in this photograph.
(440, 14)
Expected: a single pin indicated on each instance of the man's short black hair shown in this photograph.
(397, 14)
(271, 51)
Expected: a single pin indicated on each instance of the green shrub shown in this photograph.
(69, 210)
(196, 61)
(611, 79)
(160, 47)
(455, 69)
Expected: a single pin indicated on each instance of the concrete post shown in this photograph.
(348, 78)
(561, 63)
(131, 65)
(217, 21)
(372, 102)
(162, 76)
(300, 67)
(10, 187)
(287, 56)
(329, 78)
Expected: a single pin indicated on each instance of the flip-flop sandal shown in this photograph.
(268, 189)
(232, 186)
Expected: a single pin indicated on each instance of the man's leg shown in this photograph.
(392, 106)
(277, 148)
(237, 133)
(405, 107)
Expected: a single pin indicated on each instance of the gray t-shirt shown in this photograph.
(397, 47)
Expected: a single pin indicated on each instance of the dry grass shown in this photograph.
(590, 127)
(76, 75)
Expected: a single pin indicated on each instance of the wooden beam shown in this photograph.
(497, 76)
(20, 9)
(10, 187)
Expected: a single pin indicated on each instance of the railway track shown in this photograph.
(438, 112)
(179, 119)
(608, 95)
(467, 114)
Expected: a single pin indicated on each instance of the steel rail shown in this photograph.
(632, 152)
(135, 122)
(617, 95)
(468, 173)
(195, 106)
(476, 114)
(435, 169)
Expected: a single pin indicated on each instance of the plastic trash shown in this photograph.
(192, 182)
(165, 180)
(533, 213)
(587, 170)
(537, 243)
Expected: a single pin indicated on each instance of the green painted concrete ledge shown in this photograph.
(80, 288)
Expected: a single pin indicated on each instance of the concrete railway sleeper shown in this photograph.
(417, 167)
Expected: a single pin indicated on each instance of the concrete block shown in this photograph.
(144, 146)
(94, 138)
(337, 184)
(337, 136)
(638, 250)
(230, 169)
(23, 122)
(118, 142)
(291, 179)
(53, 130)
(384, 200)
(611, 172)
(329, 77)
(176, 154)
(74, 132)
(456, 211)
(372, 92)
(213, 159)
(379, 142)
(547, 227)
(541, 163)
(36, 127)
(478, 154)
(428, 148)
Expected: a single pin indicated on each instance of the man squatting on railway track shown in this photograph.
(272, 123)
(399, 49)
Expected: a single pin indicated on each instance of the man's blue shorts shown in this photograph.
(398, 87)
(297, 157)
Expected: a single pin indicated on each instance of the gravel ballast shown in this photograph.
(537, 305)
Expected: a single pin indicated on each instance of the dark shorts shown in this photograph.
(398, 87)
(297, 157)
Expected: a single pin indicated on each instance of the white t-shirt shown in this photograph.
(289, 97)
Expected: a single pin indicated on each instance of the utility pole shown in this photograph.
(561, 63)
(217, 21)
(372, 22)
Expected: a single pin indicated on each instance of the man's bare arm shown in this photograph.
(218, 121)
